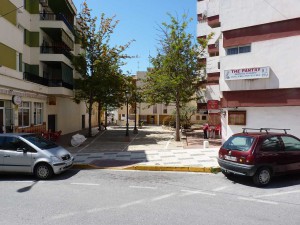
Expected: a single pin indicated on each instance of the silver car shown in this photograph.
(31, 153)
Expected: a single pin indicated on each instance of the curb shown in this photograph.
(153, 168)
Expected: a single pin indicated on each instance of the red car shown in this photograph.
(260, 154)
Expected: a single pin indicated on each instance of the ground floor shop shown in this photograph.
(234, 119)
(24, 111)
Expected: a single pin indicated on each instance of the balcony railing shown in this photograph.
(56, 50)
(60, 83)
(35, 78)
(46, 82)
(57, 17)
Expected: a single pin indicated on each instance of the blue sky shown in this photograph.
(140, 20)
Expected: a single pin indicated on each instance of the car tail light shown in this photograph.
(249, 159)
(221, 156)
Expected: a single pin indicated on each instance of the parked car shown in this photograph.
(31, 153)
(260, 154)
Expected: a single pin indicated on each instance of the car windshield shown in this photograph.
(39, 141)
(240, 143)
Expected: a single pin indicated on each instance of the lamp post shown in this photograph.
(127, 124)
(135, 130)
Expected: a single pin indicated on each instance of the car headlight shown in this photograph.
(55, 159)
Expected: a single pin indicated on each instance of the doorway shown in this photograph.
(1, 120)
(52, 122)
(82, 121)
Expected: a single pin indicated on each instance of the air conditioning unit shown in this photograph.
(44, 3)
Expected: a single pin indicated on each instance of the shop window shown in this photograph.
(236, 117)
(38, 113)
(24, 114)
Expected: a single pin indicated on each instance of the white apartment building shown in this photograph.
(257, 81)
(37, 40)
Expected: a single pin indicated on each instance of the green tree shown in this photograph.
(176, 69)
(100, 63)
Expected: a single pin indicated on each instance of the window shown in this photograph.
(38, 113)
(290, 143)
(165, 111)
(239, 143)
(24, 114)
(236, 117)
(238, 50)
(271, 144)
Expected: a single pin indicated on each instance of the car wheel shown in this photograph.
(43, 171)
(262, 177)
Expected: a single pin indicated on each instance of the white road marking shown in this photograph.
(60, 216)
(132, 203)
(98, 209)
(278, 193)
(189, 192)
(26, 181)
(88, 184)
(166, 147)
(162, 197)
(258, 200)
(143, 187)
(91, 142)
(220, 188)
(124, 149)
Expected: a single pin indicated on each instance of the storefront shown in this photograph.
(21, 111)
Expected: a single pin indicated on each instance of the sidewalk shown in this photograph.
(153, 148)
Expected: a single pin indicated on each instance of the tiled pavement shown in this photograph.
(153, 148)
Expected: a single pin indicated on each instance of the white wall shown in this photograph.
(11, 36)
(242, 13)
(273, 117)
(279, 54)
(68, 114)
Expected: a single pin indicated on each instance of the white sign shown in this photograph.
(17, 100)
(247, 73)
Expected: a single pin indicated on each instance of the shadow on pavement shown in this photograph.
(276, 182)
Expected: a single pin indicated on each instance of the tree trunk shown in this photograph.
(99, 114)
(106, 118)
(177, 137)
(90, 114)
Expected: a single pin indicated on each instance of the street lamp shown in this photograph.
(127, 99)
(135, 130)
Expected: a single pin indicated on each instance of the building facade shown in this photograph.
(257, 81)
(159, 114)
(36, 73)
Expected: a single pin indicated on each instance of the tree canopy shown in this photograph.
(176, 69)
(101, 80)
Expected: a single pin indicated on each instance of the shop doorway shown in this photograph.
(1, 120)
(52, 123)
(82, 121)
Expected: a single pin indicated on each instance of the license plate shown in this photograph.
(69, 163)
(231, 158)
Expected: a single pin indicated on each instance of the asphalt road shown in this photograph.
(136, 197)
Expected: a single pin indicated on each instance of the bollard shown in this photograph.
(205, 144)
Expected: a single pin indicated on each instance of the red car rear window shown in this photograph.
(240, 143)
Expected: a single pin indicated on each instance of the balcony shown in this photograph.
(46, 82)
(213, 50)
(213, 21)
(35, 78)
(57, 17)
(56, 50)
(213, 78)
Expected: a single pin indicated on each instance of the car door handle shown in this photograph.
(6, 156)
